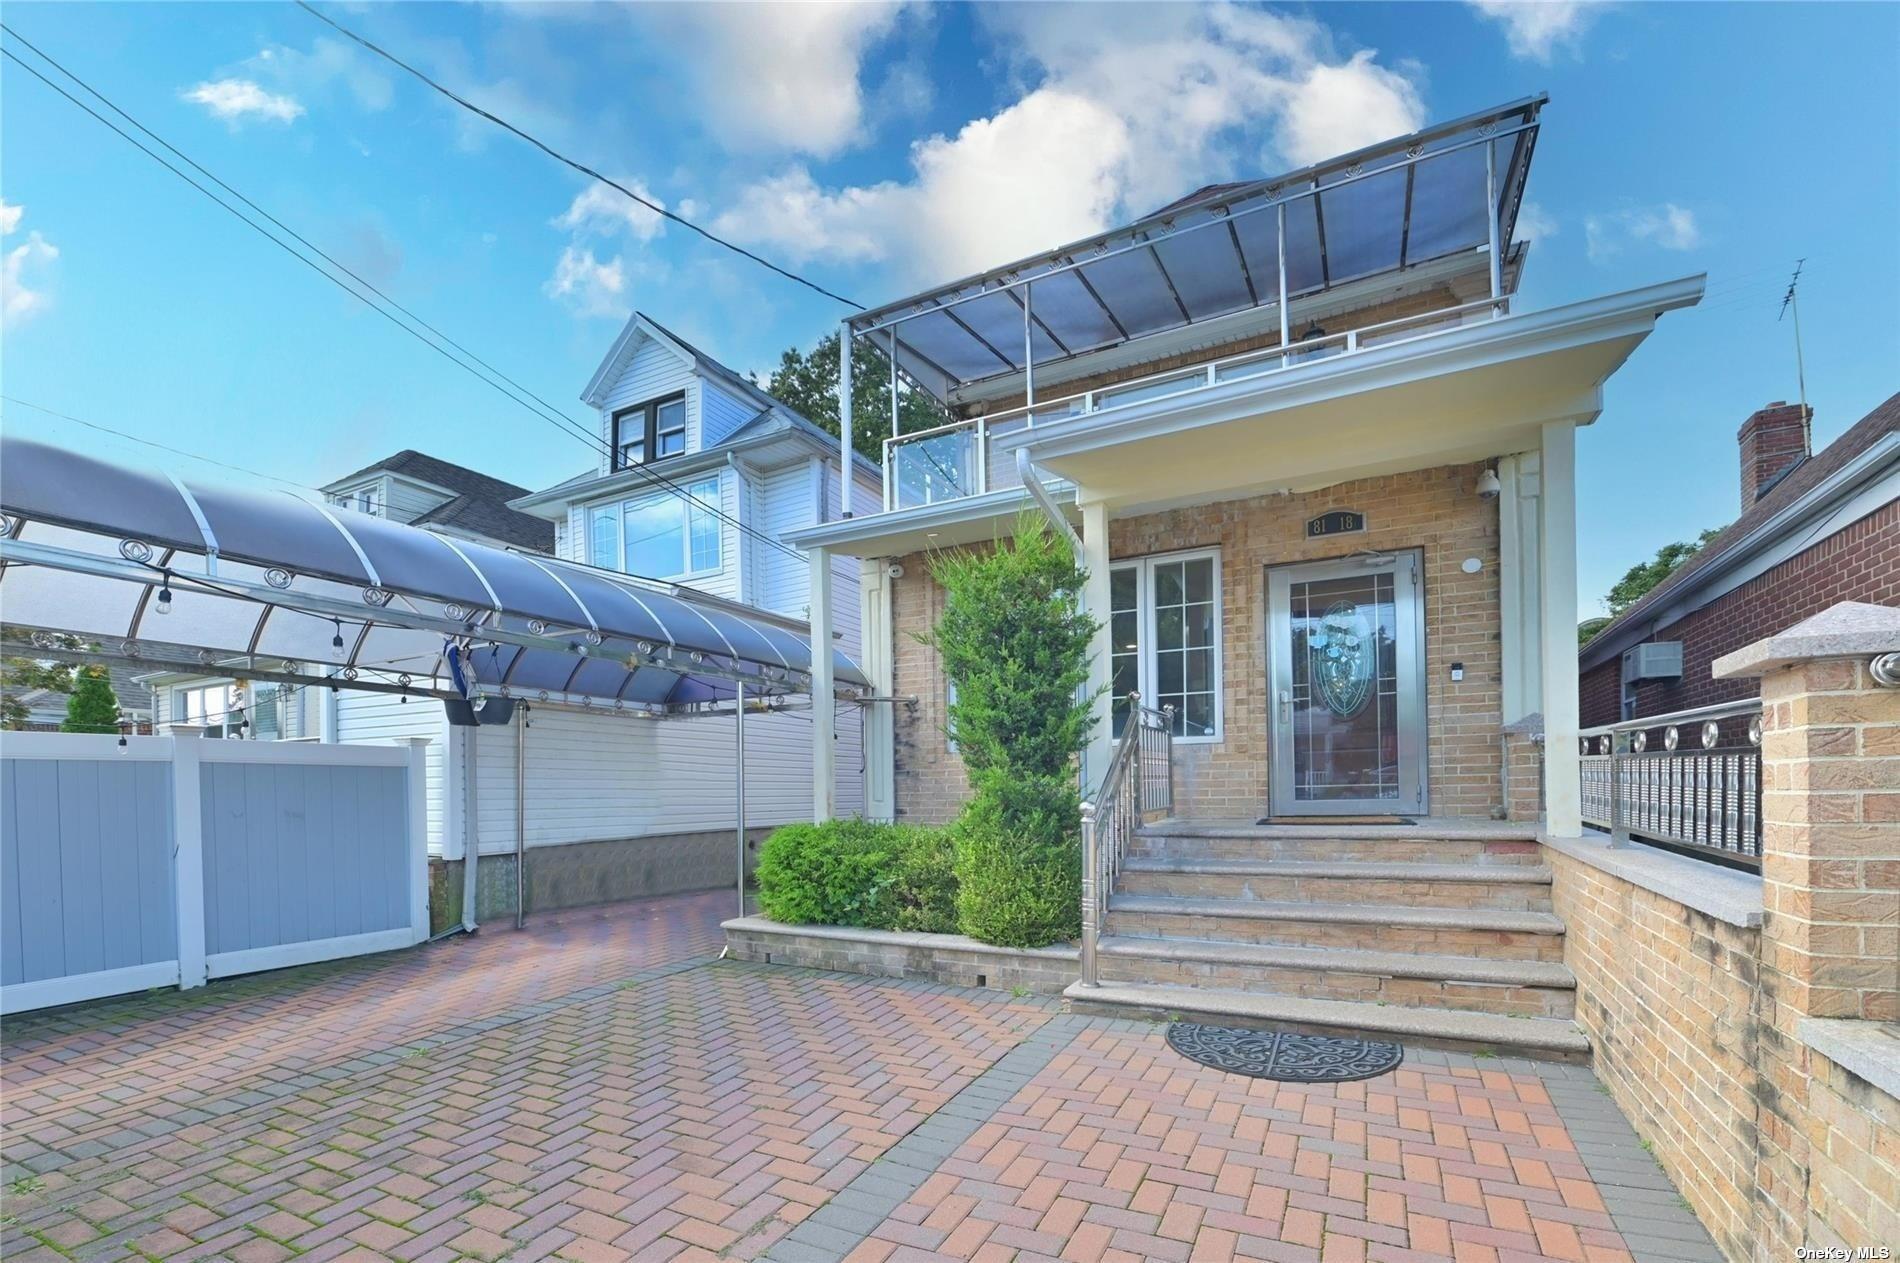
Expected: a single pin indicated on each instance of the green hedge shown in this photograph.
(1019, 861)
(855, 872)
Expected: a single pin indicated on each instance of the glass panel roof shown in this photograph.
(1383, 208)
(274, 574)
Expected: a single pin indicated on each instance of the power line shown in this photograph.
(584, 169)
(176, 451)
(545, 411)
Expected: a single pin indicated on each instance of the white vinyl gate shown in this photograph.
(165, 861)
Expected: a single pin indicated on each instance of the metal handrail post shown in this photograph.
(1619, 817)
(1091, 869)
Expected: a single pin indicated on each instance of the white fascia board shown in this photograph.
(637, 327)
(1856, 489)
(1629, 314)
(554, 504)
(989, 506)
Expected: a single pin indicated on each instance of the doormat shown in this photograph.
(1284, 1055)
(1326, 820)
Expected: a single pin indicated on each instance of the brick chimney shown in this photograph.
(1772, 440)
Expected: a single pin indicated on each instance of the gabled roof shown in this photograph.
(478, 504)
(133, 694)
(1791, 487)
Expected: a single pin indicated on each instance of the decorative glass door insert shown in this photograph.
(1345, 652)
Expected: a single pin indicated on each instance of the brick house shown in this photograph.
(1815, 529)
(1319, 464)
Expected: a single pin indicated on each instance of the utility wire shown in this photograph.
(545, 410)
(176, 451)
(584, 169)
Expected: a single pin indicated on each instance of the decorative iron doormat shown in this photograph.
(1284, 1055)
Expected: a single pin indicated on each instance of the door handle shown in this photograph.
(1286, 706)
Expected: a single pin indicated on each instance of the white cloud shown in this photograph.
(1668, 227)
(1534, 223)
(1534, 28)
(778, 77)
(28, 261)
(234, 100)
(602, 211)
(329, 61)
(588, 287)
(1123, 114)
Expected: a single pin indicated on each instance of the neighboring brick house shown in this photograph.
(1815, 529)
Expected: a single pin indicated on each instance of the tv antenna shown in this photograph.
(1790, 302)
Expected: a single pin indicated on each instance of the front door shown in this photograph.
(1345, 654)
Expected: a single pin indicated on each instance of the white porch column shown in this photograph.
(1095, 599)
(879, 653)
(824, 748)
(1563, 806)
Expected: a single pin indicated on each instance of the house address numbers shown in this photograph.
(1338, 522)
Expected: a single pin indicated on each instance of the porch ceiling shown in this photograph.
(1476, 393)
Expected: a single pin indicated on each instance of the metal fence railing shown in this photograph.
(1139, 782)
(1690, 780)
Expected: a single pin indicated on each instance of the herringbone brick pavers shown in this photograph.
(600, 1089)
(1120, 1149)
(73, 1083)
(705, 1111)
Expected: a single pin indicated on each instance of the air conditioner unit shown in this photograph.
(1657, 660)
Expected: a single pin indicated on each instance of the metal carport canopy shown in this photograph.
(264, 584)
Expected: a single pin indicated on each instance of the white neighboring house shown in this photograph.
(669, 411)
(617, 807)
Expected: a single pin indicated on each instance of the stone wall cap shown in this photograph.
(1868, 1049)
(1852, 629)
(1727, 894)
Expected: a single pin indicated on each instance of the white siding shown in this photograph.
(721, 413)
(382, 719)
(601, 777)
(653, 372)
(785, 502)
(405, 502)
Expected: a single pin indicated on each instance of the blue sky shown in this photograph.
(879, 147)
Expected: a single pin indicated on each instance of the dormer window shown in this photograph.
(652, 431)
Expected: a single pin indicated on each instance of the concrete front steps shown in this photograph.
(1439, 932)
(1459, 1029)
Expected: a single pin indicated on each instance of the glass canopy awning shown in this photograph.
(104, 562)
(1454, 188)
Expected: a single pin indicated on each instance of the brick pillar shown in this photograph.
(1830, 874)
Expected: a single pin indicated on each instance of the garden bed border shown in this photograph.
(946, 958)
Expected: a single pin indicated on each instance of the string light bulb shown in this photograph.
(164, 605)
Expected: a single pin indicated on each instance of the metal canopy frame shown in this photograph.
(152, 569)
(1450, 189)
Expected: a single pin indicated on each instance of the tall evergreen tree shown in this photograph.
(91, 707)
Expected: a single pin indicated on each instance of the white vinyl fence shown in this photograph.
(169, 860)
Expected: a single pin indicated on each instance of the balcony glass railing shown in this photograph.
(961, 459)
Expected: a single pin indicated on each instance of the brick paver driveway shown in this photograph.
(601, 1088)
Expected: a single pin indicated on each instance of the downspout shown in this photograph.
(1032, 483)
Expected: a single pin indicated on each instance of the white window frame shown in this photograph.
(1146, 669)
(696, 488)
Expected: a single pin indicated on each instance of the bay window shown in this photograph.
(659, 536)
(1164, 639)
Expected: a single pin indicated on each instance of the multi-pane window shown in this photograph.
(660, 536)
(649, 432)
(256, 712)
(1164, 634)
